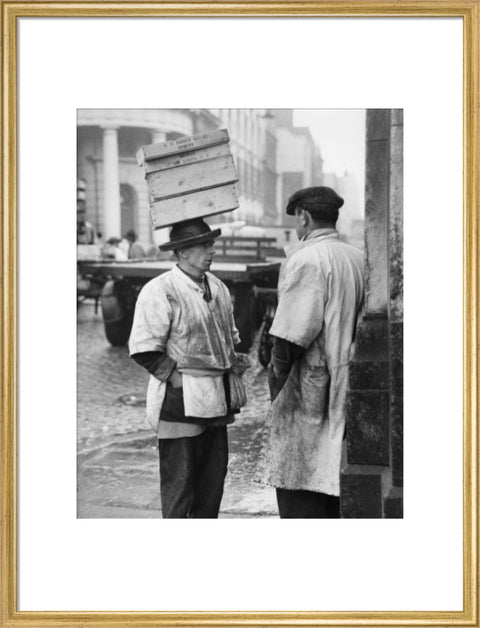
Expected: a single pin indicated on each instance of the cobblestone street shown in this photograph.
(117, 452)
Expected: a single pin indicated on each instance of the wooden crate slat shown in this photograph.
(191, 178)
(209, 202)
(182, 159)
(181, 145)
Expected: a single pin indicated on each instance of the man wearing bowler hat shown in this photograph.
(320, 295)
(184, 334)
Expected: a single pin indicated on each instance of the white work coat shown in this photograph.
(172, 316)
(320, 295)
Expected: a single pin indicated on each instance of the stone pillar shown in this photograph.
(372, 470)
(393, 504)
(376, 212)
(111, 183)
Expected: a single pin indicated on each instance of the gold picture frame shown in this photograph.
(469, 11)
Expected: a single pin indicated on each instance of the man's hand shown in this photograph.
(241, 363)
(175, 379)
(276, 382)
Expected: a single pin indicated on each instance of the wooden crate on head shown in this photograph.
(190, 177)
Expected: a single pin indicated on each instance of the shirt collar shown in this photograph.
(318, 233)
(187, 278)
(201, 284)
(197, 280)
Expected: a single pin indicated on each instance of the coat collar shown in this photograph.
(313, 237)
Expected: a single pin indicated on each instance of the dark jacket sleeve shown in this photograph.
(284, 354)
(157, 363)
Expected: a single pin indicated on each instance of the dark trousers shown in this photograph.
(307, 505)
(192, 474)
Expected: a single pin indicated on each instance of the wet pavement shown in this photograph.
(117, 472)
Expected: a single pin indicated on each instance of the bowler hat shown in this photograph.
(188, 233)
(316, 199)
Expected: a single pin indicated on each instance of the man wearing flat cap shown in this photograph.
(320, 296)
(184, 334)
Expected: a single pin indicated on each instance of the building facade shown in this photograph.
(253, 146)
(273, 159)
(116, 195)
(299, 163)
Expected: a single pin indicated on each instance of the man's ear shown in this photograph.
(306, 218)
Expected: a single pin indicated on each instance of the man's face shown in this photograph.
(198, 258)
(301, 224)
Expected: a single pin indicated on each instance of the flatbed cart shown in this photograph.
(122, 282)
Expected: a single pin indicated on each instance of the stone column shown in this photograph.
(371, 478)
(111, 183)
(393, 503)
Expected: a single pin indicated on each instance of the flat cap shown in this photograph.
(317, 200)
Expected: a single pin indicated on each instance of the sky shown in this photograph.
(340, 135)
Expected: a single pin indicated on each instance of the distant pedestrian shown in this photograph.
(135, 250)
(85, 230)
(111, 250)
(320, 296)
(184, 334)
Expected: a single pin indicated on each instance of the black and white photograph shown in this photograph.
(274, 314)
(239, 313)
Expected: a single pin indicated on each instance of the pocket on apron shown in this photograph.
(312, 394)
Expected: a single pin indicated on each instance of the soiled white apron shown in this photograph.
(203, 396)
